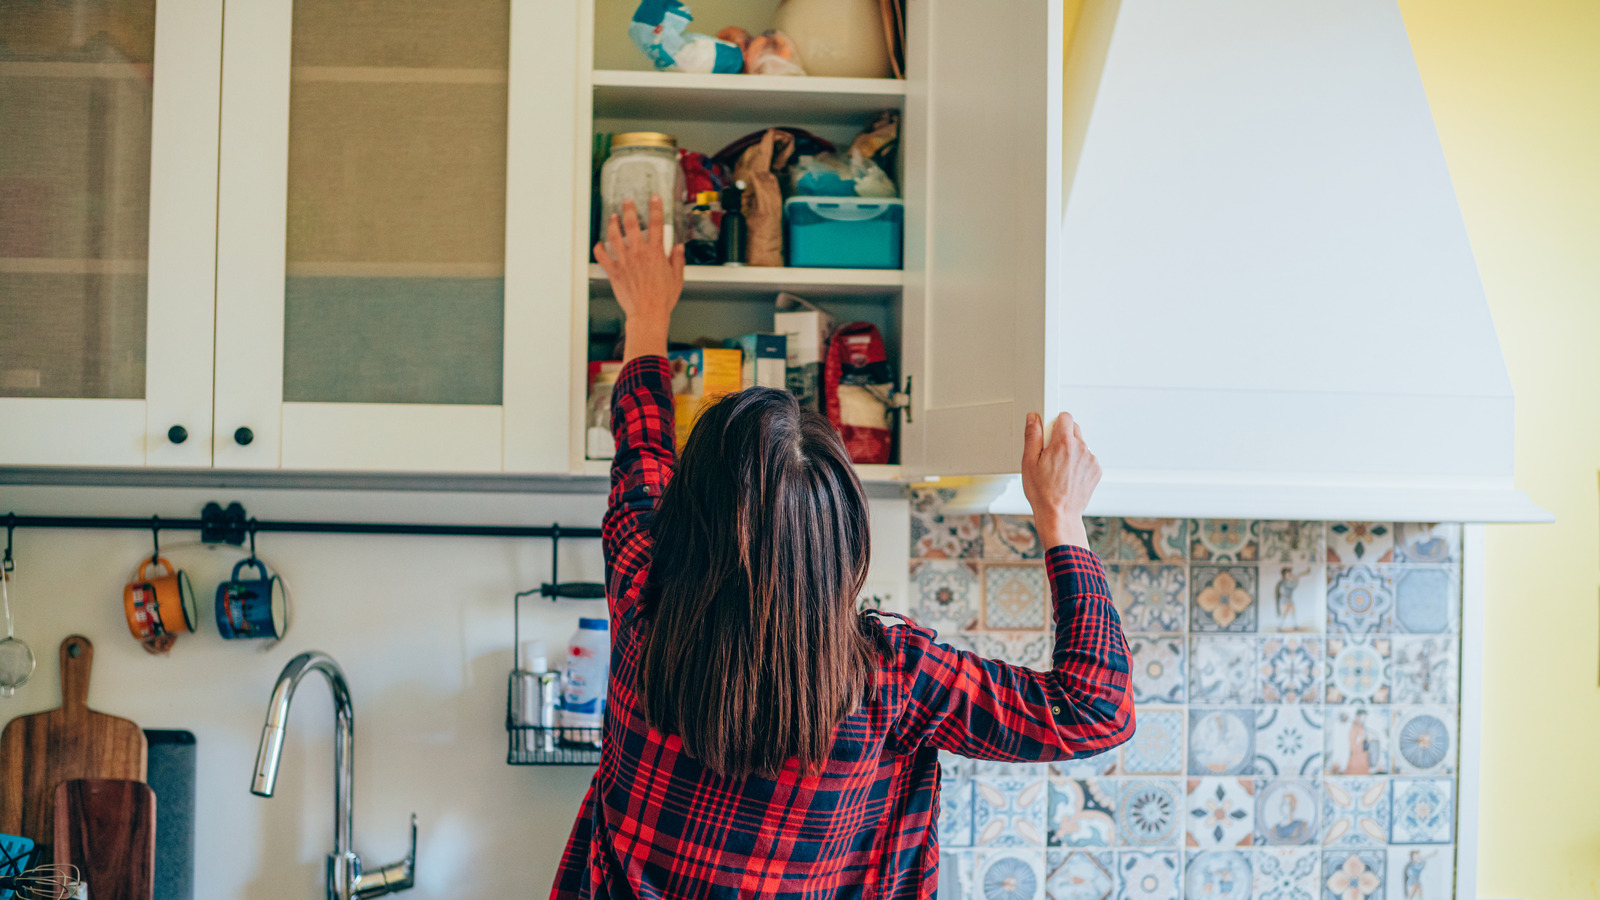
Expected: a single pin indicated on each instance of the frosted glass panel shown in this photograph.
(396, 205)
(75, 91)
(393, 340)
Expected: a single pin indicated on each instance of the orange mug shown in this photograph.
(161, 606)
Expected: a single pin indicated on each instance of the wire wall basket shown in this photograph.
(538, 745)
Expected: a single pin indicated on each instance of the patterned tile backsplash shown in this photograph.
(1296, 686)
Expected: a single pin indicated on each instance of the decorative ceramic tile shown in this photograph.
(1363, 543)
(1083, 813)
(1027, 648)
(1294, 597)
(1352, 875)
(1008, 811)
(1424, 543)
(1360, 599)
(1355, 812)
(1358, 740)
(1156, 747)
(1151, 540)
(1286, 811)
(1079, 875)
(1010, 537)
(1291, 670)
(1149, 813)
(1153, 599)
(1224, 540)
(1424, 810)
(1012, 875)
(1147, 875)
(930, 500)
(1096, 766)
(1221, 741)
(1286, 873)
(1014, 596)
(1286, 543)
(1224, 598)
(955, 809)
(1358, 669)
(1218, 875)
(945, 595)
(1102, 536)
(1425, 599)
(1222, 669)
(1425, 740)
(1288, 741)
(1425, 669)
(1221, 813)
(1026, 771)
(958, 875)
(935, 535)
(1420, 873)
(1158, 670)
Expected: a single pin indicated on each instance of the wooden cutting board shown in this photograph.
(107, 828)
(41, 751)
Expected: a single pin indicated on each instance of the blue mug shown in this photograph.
(251, 608)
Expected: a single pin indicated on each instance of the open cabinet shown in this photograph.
(979, 161)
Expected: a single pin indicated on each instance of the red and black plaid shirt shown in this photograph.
(656, 823)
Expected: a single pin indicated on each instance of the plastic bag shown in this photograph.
(769, 53)
(658, 30)
(857, 386)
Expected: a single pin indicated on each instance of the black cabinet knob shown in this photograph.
(243, 436)
(177, 434)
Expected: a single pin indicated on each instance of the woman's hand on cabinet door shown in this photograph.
(1058, 479)
(645, 278)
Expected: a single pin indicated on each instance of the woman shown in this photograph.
(762, 738)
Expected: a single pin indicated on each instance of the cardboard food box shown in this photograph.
(806, 329)
(699, 375)
(765, 360)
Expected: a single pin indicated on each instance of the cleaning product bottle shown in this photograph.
(731, 239)
(584, 696)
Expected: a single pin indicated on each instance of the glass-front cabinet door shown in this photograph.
(108, 166)
(388, 199)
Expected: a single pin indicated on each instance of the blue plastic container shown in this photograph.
(844, 232)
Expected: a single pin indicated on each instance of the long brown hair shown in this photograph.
(755, 651)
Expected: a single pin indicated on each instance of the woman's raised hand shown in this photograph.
(1058, 479)
(645, 278)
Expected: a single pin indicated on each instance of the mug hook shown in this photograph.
(252, 530)
(155, 538)
(8, 564)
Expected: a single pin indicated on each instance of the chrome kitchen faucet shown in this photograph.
(346, 880)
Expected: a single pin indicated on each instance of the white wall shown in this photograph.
(422, 628)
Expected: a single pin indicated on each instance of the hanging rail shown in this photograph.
(231, 526)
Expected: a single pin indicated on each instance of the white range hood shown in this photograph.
(1268, 305)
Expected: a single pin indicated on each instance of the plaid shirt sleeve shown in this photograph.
(641, 421)
(984, 708)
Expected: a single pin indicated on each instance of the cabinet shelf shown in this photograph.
(764, 281)
(867, 473)
(42, 265)
(111, 71)
(397, 75)
(620, 94)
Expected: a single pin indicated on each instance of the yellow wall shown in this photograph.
(1515, 91)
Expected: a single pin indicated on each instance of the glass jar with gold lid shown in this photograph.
(641, 163)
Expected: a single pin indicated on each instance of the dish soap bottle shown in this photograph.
(731, 239)
(583, 697)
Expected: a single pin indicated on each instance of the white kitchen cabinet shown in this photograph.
(108, 172)
(980, 166)
(393, 246)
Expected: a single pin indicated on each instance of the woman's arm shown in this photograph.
(646, 281)
(961, 702)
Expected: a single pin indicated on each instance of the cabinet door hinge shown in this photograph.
(900, 401)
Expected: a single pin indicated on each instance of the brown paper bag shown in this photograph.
(763, 198)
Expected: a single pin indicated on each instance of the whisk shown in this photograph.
(51, 881)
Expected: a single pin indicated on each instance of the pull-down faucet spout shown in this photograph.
(345, 878)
